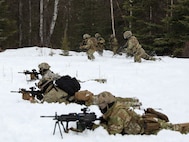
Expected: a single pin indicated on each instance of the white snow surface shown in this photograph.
(163, 85)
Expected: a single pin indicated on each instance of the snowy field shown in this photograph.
(161, 85)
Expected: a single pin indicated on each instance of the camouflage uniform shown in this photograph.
(134, 48)
(101, 43)
(118, 118)
(51, 93)
(90, 99)
(46, 73)
(113, 44)
(90, 44)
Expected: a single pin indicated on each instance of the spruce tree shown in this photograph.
(7, 26)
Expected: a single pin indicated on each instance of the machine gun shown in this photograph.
(83, 121)
(33, 74)
(26, 93)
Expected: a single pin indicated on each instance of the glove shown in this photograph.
(26, 96)
(85, 96)
(102, 120)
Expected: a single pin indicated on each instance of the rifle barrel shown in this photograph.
(47, 116)
(15, 91)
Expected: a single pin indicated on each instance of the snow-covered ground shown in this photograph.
(161, 84)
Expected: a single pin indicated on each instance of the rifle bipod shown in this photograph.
(57, 123)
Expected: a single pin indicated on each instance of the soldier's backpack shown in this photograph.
(69, 84)
(150, 123)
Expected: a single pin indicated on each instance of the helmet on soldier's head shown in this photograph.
(127, 34)
(86, 36)
(105, 99)
(97, 35)
(44, 66)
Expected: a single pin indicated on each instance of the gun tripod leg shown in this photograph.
(57, 123)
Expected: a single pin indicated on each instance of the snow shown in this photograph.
(162, 85)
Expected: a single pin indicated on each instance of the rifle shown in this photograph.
(83, 120)
(34, 93)
(33, 74)
(119, 50)
(103, 80)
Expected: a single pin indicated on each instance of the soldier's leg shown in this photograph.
(147, 57)
(90, 54)
(100, 49)
(182, 128)
(137, 58)
(130, 102)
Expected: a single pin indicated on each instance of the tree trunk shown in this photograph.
(41, 24)
(30, 23)
(130, 13)
(112, 17)
(53, 21)
(20, 23)
(172, 2)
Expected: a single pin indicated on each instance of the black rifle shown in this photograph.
(33, 74)
(32, 91)
(119, 50)
(83, 120)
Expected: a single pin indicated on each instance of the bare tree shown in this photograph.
(41, 23)
(30, 22)
(112, 17)
(53, 21)
(130, 12)
(20, 22)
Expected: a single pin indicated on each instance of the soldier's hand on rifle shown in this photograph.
(26, 95)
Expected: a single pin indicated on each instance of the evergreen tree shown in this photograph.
(178, 24)
(143, 19)
(7, 26)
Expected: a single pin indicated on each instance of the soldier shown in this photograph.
(134, 48)
(101, 43)
(90, 44)
(46, 73)
(113, 44)
(51, 93)
(118, 118)
(89, 98)
(63, 89)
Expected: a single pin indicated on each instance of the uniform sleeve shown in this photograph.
(51, 75)
(117, 122)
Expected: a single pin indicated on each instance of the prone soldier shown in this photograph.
(120, 119)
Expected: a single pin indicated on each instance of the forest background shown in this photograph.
(162, 27)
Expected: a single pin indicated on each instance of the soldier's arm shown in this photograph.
(116, 122)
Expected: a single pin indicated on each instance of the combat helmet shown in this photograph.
(86, 36)
(97, 35)
(127, 34)
(43, 67)
(105, 101)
